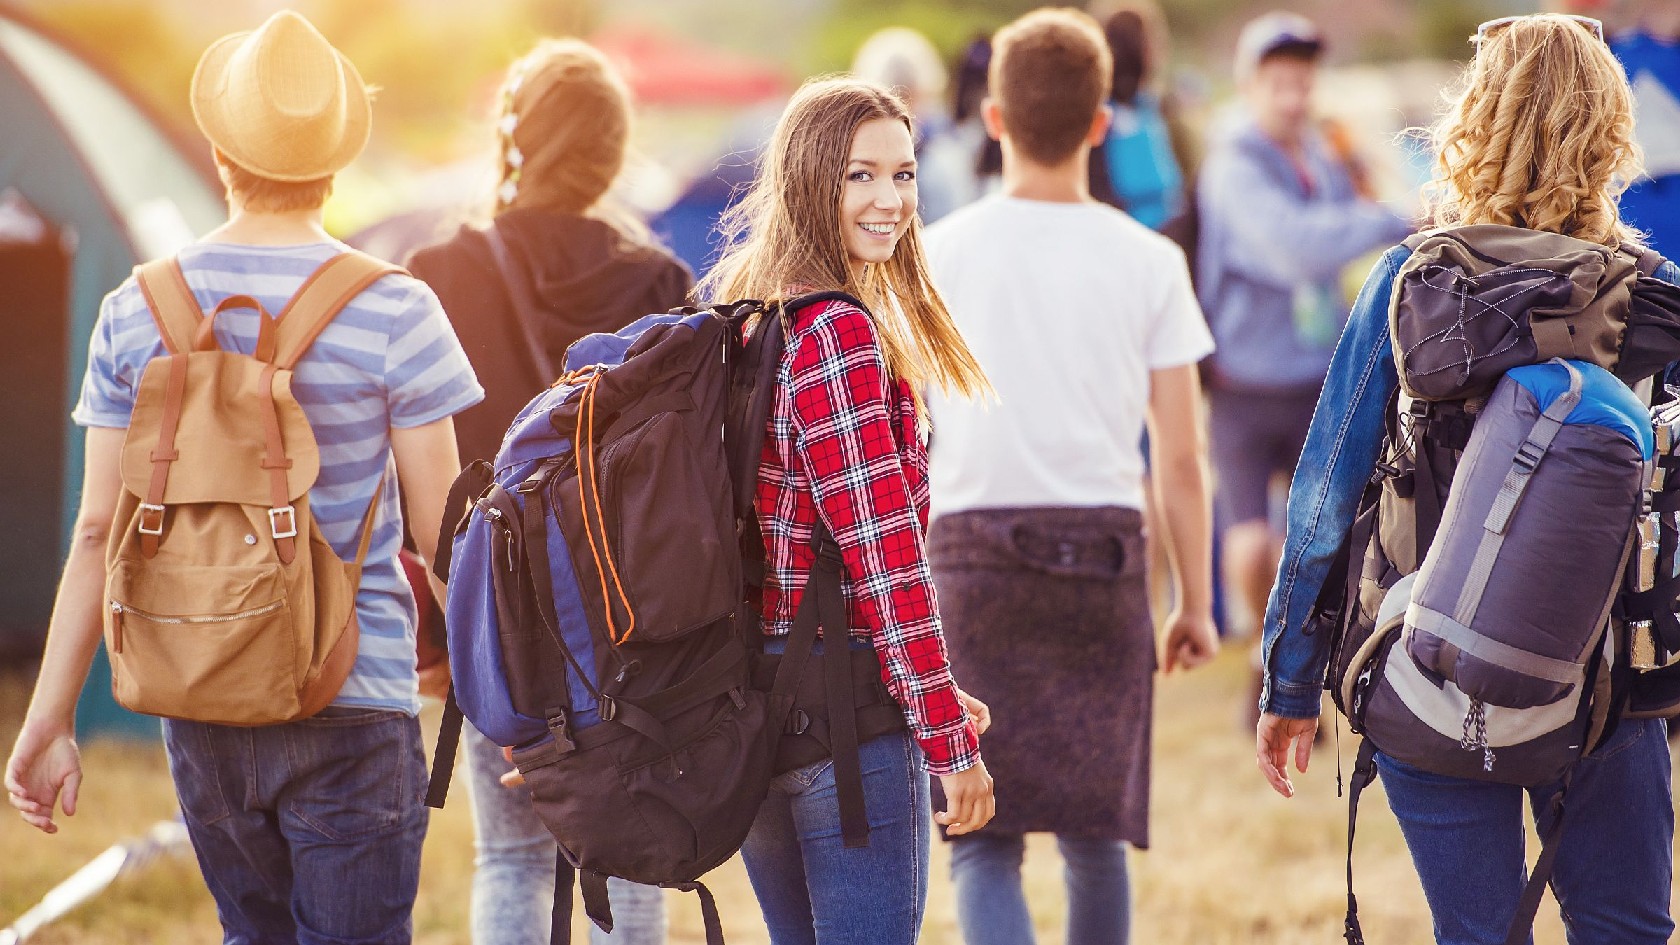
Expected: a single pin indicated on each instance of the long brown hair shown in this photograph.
(785, 236)
(1541, 135)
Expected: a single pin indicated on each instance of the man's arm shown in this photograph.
(45, 766)
(1178, 471)
(427, 463)
(1284, 241)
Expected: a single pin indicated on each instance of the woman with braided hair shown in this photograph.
(553, 266)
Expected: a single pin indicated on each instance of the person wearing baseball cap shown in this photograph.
(1280, 217)
(306, 831)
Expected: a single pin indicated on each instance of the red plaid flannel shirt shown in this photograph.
(842, 438)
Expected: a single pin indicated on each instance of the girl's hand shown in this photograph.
(969, 804)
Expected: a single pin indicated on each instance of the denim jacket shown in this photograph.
(1338, 459)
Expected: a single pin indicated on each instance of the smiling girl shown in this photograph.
(834, 209)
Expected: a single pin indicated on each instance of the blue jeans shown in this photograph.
(992, 906)
(309, 832)
(1613, 871)
(815, 891)
(513, 879)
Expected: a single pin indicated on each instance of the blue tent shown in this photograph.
(108, 185)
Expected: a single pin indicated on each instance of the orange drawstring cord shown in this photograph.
(584, 443)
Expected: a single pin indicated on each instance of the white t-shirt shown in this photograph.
(1068, 307)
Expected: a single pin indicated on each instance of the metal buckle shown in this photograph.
(147, 511)
(290, 515)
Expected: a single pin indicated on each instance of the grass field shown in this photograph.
(1232, 862)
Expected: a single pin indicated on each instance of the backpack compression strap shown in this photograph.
(1364, 772)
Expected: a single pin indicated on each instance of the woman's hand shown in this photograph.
(977, 710)
(1272, 739)
(45, 769)
(969, 804)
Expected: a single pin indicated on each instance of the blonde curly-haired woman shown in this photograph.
(1541, 138)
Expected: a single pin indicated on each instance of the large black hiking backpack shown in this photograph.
(1483, 605)
(601, 613)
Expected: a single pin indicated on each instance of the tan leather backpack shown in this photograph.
(223, 601)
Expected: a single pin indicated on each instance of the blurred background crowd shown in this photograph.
(97, 174)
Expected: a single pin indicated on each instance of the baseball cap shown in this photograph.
(1274, 32)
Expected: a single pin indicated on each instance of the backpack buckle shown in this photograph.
(798, 723)
(559, 725)
(151, 519)
(1528, 456)
(287, 514)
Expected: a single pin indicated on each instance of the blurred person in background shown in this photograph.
(1139, 167)
(1540, 136)
(1279, 218)
(1649, 50)
(902, 59)
(1087, 321)
(834, 861)
(978, 158)
(552, 266)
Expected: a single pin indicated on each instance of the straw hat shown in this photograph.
(281, 102)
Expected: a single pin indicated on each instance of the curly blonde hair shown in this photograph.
(1540, 135)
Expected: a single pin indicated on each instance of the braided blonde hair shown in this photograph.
(1540, 135)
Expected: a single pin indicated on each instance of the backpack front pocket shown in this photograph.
(226, 655)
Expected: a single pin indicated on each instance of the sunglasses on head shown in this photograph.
(1591, 25)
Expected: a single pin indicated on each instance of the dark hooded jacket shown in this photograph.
(587, 277)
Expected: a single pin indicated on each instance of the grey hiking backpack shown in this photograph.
(1481, 610)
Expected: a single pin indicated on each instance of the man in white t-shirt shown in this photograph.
(1085, 322)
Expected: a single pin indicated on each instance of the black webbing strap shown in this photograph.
(443, 757)
(560, 917)
(1425, 497)
(467, 487)
(1541, 876)
(595, 902)
(708, 909)
(1364, 772)
(842, 705)
(823, 607)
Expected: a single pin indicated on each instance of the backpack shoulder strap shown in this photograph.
(322, 296)
(527, 311)
(171, 301)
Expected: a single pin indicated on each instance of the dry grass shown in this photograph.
(1232, 863)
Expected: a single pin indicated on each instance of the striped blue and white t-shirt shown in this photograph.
(388, 360)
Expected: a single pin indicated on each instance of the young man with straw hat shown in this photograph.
(307, 831)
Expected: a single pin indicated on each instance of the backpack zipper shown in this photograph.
(118, 609)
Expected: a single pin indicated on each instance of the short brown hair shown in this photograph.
(1051, 70)
(263, 195)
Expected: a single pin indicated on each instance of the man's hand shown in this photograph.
(45, 768)
(1188, 641)
(1272, 739)
(969, 804)
(977, 710)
